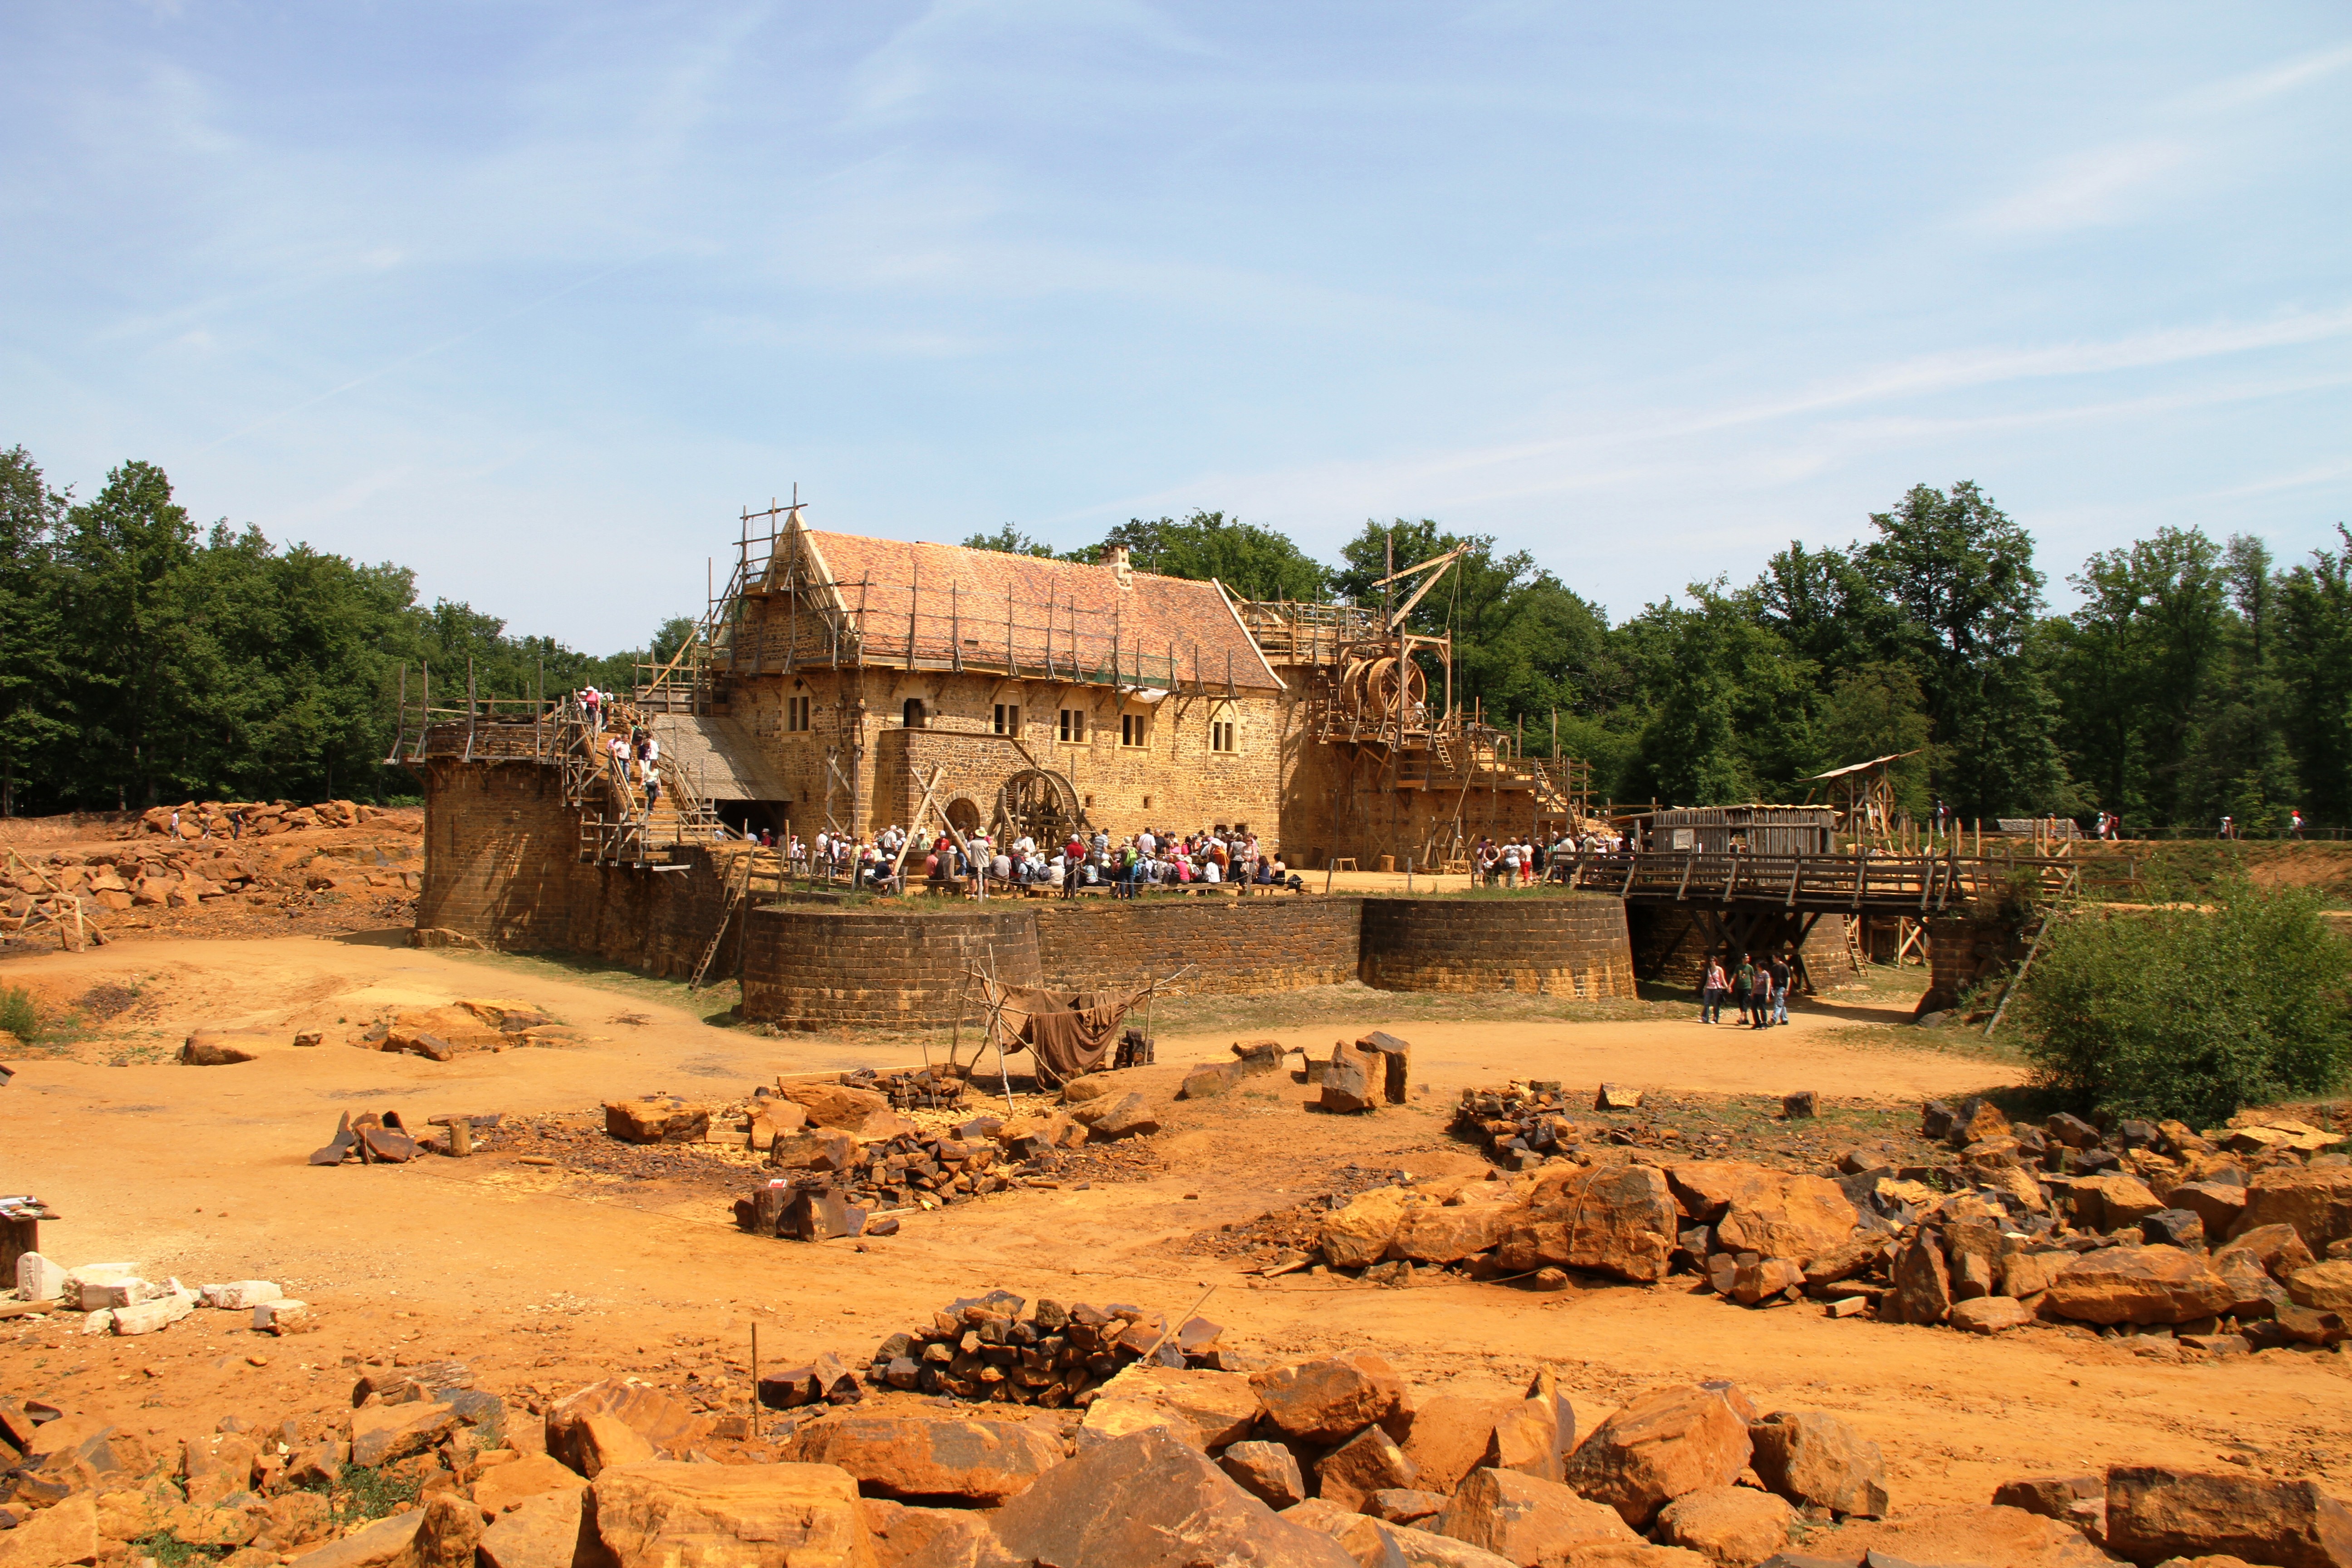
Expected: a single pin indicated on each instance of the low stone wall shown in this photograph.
(1671, 942)
(1276, 942)
(1563, 944)
(808, 967)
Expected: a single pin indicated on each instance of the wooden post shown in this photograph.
(755, 1380)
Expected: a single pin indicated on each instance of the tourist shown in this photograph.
(1778, 972)
(2228, 825)
(1743, 989)
(1711, 987)
(1760, 998)
(2294, 822)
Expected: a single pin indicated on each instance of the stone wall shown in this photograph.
(1559, 945)
(811, 967)
(1277, 942)
(1670, 944)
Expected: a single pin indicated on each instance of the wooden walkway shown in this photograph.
(1913, 885)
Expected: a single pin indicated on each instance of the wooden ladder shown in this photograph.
(738, 888)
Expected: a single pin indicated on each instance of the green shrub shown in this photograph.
(17, 1014)
(2191, 1012)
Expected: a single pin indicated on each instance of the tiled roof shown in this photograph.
(954, 601)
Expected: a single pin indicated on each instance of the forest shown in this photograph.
(146, 658)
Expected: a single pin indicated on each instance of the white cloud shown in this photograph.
(2255, 87)
(2088, 188)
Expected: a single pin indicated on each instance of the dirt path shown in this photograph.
(544, 1278)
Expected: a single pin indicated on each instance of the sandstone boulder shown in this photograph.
(2155, 1511)
(1149, 1501)
(2138, 1285)
(665, 1423)
(1331, 1399)
(2324, 1286)
(1347, 1083)
(1452, 1435)
(1529, 1521)
(1405, 1505)
(1124, 1116)
(907, 1537)
(220, 1048)
(2113, 1202)
(384, 1433)
(2276, 1249)
(1267, 1471)
(1089, 1086)
(1619, 1220)
(662, 1514)
(1733, 1525)
(1448, 1233)
(2051, 1496)
(2218, 1204)
(2316, 1201)
(663, 1121)
(913, 1457)
(1371, 1461)
(836, 1104)
(529, 1476)
(1990, 1315)
(1980, 1534)
(1215, 1407)
(1817, 1459)
(1360, 1232)
(1922, 1283)
(1664, 1442)
(1777, 1213)
(61, 1533)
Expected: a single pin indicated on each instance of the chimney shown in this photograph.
(1115, 557)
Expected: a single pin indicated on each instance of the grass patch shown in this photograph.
(362, 1492)
(715, 1005)
(168, 1550)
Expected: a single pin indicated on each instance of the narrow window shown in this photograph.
(1134, 728)
(1008, 718)
(1221, 728)
(1074, 726)
(912, 715)
(796, 712)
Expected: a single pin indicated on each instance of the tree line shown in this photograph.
(145, 658)
(2195, 678)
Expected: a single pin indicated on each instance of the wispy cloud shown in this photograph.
(2271, 81)
(2087, 188)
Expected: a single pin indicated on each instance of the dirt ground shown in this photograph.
(544, 1277)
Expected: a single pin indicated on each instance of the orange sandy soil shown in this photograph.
(542, 1279)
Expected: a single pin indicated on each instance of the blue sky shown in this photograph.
(533, 297)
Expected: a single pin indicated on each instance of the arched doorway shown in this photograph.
(913, 714)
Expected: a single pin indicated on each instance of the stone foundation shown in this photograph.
(1554, 944)
(813, 967)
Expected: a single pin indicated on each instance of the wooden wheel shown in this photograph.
(1040, 803)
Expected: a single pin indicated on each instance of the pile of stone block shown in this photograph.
(115, 1297)
(2236, 1240)
(1362, 1075)
(999, 1348)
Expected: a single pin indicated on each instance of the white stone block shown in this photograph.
(149, 1316)
(98, 1322)
(84, 1285)
(122, 1293)
(39, 1279)
(239, 1295)
(274, 1315)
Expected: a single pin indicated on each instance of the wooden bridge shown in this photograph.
(1754, 903)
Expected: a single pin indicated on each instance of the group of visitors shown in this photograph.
(1522, 862)
(1122, 867)
(636, 759)
(1759, 990)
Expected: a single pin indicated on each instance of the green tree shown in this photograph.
(1254, 562)
(1010, 541)
(2314, 663)
(2191, 1012)
(1877, 711)
(1961, 574)
(122, 551)
(32, 663)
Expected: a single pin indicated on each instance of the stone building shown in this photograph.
(840, 682)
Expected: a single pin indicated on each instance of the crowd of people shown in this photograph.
(976, 862)
(1523, 862)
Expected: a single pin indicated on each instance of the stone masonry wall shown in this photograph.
(810, 967)
(1568, 944)
(1281, 942)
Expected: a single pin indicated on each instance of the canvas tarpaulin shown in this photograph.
(1069, 1033)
